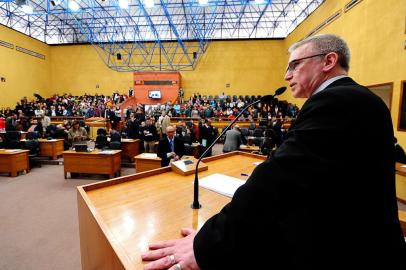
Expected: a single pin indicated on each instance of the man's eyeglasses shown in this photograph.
(294, 63)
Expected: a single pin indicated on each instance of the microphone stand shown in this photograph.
(196, 204)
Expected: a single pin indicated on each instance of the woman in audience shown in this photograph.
(77, 134)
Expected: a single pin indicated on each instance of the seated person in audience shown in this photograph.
(77, 134)
(170, 147)
(35, 126)
(233, 140)
(400, 155)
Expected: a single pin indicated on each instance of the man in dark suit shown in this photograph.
(325, 199)
(170, 147)
(206, 136)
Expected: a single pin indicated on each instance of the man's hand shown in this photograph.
(172, 254)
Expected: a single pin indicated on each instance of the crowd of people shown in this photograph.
(145, 122)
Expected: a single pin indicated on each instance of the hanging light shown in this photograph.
(73, 5)
(149, 3)
(123, 4)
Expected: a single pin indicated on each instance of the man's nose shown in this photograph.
(288, 75)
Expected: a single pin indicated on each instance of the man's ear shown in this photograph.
(330, 61)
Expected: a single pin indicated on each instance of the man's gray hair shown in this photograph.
(326, 43)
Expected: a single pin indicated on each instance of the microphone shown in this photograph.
(269, 98)
(196, 204)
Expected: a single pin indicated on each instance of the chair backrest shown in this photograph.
(115, 145)
(187, 139)
(12, 144)
(257, 141)
(32, 145)
(101, 131)
(32, 135)
(258, 132)
(244, 131)
(101, 141)
(188, 149)
(12, 136)
(116, 137)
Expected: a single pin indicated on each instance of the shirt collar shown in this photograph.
(327, 83)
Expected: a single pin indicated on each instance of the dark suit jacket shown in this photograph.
(164, 148)
(326, 198)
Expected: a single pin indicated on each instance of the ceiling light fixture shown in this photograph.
(73, 5)
(27, 9)
(149, 3)
(123, 4)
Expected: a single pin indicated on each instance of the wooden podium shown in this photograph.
(118, 218)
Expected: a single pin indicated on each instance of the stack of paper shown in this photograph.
(149, 155)
(220, 183)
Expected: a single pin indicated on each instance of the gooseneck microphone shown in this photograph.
(267, 98)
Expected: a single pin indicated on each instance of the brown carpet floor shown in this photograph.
(38, 219)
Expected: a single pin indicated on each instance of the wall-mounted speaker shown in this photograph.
(119, 56)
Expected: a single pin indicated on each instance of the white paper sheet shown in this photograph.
(149, 155)
(220, 183)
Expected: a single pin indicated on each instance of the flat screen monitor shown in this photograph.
(155, 94)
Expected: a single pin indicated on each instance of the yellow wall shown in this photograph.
(24, 73)
(375, 32)
(250, 67)
(247, 66)
(78, 69)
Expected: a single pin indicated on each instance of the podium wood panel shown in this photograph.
(119, 217)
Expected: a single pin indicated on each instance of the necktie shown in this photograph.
(171, 144)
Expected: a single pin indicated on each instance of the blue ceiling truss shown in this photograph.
(170, 36)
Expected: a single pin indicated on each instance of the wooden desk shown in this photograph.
(249, 148)
(119, 217)
(130, 148)
(402, 219)
(51, 148)
(13, 161)
(97, 162)
(147, 161)
(401, 182)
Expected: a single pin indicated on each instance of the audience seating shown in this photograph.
(257, 141)
(259, 132)
(33, 147)
(12, 140)
(101, 141)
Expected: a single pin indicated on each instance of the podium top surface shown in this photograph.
(139, 209)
